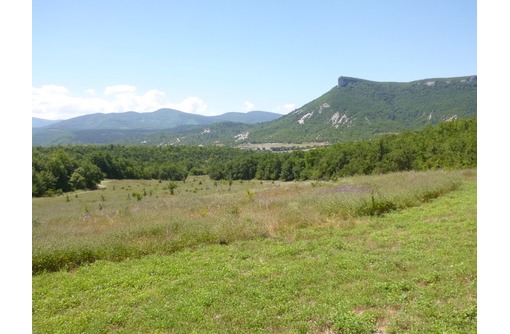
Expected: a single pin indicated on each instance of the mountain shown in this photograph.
(121, 128)
(354, 109)
(357, 109)
(40, 122)
(159, 119)
(251, 117)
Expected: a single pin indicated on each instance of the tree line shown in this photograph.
(59, 169)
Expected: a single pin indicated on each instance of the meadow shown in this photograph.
(393, 253)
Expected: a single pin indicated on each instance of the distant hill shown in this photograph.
(39, 122)
(354, 109)
(125, 127)
(159, 119)
(252, 117)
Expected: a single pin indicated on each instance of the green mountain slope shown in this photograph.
(251, 117)
(358, 109)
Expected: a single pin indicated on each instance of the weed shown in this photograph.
(375, 206)
(172, 186)
(250, 194)
(235, 211)
(351, 323)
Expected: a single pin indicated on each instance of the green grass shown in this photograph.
(302, 268)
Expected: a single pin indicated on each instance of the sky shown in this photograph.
(213, 57)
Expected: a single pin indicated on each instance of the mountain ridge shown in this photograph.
(354, 109)
(41, 122)
(164, 118)
(357, 109)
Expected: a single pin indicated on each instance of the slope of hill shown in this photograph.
(358, 109)
(252, 117)
(40, 122)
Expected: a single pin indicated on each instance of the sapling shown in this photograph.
(171, 187)
(250, 194)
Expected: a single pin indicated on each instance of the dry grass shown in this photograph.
(132, 218)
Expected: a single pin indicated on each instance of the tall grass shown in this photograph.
(371, 196)
(111, 224)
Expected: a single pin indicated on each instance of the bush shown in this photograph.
(351, 323)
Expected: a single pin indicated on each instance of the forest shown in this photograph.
(60, 169)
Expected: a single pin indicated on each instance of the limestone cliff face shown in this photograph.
(344, 81)
(472, 80)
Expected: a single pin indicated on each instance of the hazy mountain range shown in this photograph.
(157, 120)
(40, 122)
(354, 109)
(103, 128)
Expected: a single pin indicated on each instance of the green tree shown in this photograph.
(42, 182)
(87, 176)
(171, 171)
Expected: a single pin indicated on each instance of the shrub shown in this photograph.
(351, 323)
(172, 186)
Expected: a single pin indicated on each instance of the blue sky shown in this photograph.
(212, 57)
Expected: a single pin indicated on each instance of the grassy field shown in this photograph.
(374, 254)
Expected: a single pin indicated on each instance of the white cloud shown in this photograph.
(191, 104)
(285, 109)
(248, 106)
(57, 102)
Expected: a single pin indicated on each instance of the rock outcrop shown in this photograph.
(344, 81)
